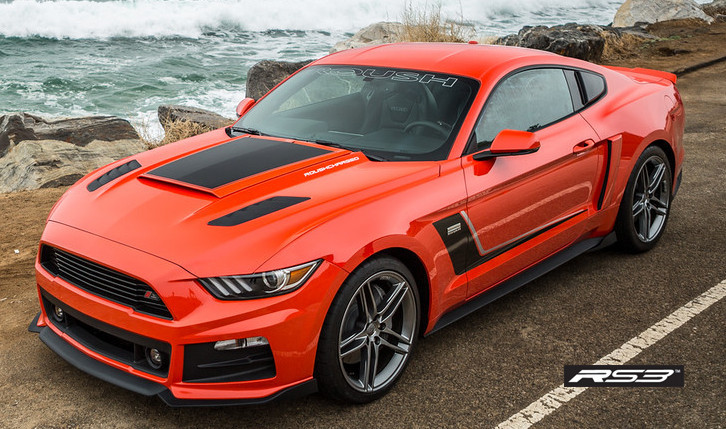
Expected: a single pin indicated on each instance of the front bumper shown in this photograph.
(290, 322)
(146, 387)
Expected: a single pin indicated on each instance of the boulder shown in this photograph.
(49, 163)
(375, 34)
(264, 75)
(650, 11)
(715, 8)
(624, 42)
(585, 42)
(173, 113)
(17, 127)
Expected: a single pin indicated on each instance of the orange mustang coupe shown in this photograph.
(372, 198)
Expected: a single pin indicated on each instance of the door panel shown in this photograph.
(522, 208)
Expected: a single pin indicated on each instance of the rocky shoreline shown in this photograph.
(671, 35)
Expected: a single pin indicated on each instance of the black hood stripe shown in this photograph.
(256, 210)
(235, 160)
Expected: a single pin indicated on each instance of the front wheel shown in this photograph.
(369, 332)
(645, 206)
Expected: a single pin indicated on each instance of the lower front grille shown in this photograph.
(103, 281)
(204, 364)
(108, 340)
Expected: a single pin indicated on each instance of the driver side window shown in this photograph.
(527, 101)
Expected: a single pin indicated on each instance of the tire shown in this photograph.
(645, 207)
(369, 333)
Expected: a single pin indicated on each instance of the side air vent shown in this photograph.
(256, 210)
(113, 174)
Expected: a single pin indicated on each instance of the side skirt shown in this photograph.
(519, 280)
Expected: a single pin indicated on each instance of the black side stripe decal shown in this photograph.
(465, 249)
(457, 240)
(253, 211)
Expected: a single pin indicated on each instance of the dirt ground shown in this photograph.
(488, 366)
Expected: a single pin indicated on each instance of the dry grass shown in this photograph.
(174, 131)
(427, 24)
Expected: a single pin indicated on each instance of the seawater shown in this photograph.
(126, 57)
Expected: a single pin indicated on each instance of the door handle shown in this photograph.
(583, 146)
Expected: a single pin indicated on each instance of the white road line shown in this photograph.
(551, 401)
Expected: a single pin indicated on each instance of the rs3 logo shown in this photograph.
(624, 375)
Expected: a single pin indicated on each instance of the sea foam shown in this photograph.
(192, 19)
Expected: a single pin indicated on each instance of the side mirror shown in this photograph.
(244, 106)
(510, 143)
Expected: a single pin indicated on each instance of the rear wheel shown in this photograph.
(369, 332)
(645, 206)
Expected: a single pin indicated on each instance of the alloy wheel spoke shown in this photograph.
(353, 343)
(643, 179)
(660, 209)
(657, 178)
(396, 348)
(638, 208)
(365, 368)
(399, 337)
(645, 224)
(370, 301)
(365, 304)
(369, 367)
(375, 353)
(394, 302)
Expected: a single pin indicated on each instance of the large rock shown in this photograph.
(715, 8)
(17, 127)
(624, 42)
(48, 163)
(169, 113)
(633, 12)
(375, 34)
(264, 75)
(585, 42)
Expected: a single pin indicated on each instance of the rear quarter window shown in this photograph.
(593, 85)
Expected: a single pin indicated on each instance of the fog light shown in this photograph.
(58, 314)
(240, 343)
(154, 358)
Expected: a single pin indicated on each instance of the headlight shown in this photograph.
(270, 283)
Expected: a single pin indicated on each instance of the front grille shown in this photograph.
(103, 281)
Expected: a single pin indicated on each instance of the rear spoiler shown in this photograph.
(647, 74)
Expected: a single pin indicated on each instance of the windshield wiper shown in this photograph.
(352, 149)
(245, 130)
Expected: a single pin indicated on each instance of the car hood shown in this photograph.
(220, 206)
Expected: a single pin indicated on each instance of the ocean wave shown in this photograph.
(86, 19)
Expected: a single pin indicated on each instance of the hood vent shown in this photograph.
(235, 160)
(256, 210)
(113, 174)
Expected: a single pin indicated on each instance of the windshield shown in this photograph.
(388, 114)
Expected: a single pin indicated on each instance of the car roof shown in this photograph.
(461, 59)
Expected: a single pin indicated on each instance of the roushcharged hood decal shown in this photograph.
(234, 160)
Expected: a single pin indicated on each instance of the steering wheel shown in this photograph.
(438, 127)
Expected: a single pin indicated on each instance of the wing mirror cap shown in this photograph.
(244, 106)
(510, 143)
